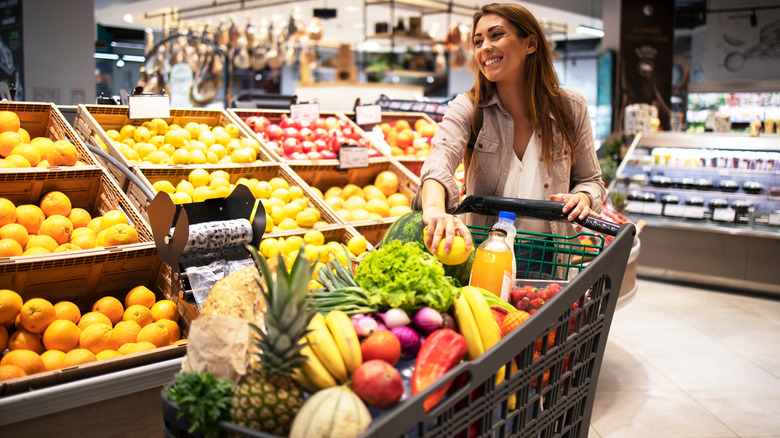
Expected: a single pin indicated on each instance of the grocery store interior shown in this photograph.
(140, 139)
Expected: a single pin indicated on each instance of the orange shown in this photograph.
(10, 248)
(387, 182)
(120, 234)
(42, 144)
(8, 372)
(180, 341)
(36, 315)
(27, 360)
(8, 213)
(126, 332)
(42, 241)
(10, 305)
(111, 218)
(3, 337)
(8, 141)
(25, 135)
(140, 295)
(157, 333)
(36, 250)
(29, 152)
(26, 340)
(62, 153)
(404, 138)
(5, 164)
(360, 214)
(100, 240)
(351, 190)
(397, 199)
(125, 348)
(140, 314)
(419, 123)
(333, 191)
(83, 241)
(52, 359)
(378, 206)
(91, 318)
(402, 125)
(9, 121)
(17, 161)
(111, 307)
(98, 337)
(16, 232)
(427, 131)
(77, 357)
(107, 354)
(140, 346)
(67, 247)
(30, 216)
(372, 192)
(399, 210)
(165, 309)
(67, 311)
(335, 203)
(55, 203)
(61, 335)
(57, 227)
(79, 217)
(173, 329)
(94, 225)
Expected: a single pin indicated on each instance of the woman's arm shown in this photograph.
(440, 224)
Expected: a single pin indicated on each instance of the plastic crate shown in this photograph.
(553, 389)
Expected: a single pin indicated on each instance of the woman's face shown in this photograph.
(499, 52)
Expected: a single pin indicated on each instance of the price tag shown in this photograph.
(635, 207)
(351, 157)
(305, 112)
(653, 208)
(149, 107)
(674, 210)
(694, 212)
(723, 214)
(368, 114)
(774, 218)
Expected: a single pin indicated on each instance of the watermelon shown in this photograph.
(409, 228)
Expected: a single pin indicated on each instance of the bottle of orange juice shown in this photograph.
(492, 268)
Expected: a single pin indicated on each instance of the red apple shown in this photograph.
(332, 123)
(298, 156)
(314, 155)
(274, 132)
(289, 122)
(328, 155)
(308, 146)
(307, 134)
(322, 145)
(321, 133)
(291, 145)
(292, 133)
(320, 123)
(378, 384)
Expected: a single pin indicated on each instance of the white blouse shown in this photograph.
(524, 182)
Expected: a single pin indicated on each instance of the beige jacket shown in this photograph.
(493, 154)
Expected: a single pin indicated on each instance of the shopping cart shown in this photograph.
(554, 386)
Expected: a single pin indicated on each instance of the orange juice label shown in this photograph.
(506, 286)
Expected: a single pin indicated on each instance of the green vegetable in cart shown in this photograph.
(203, 400)
(440, 352)
(404, 275)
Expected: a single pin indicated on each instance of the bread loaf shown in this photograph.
(237, 295)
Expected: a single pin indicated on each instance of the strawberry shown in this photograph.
(536, 303)
(517, 295)
(524, 304)
(533, 295)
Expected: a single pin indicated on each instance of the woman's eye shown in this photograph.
(477, 42)
(497, 34)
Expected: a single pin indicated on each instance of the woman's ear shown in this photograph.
(531, 44)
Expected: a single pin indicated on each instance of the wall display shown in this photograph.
(11, 49)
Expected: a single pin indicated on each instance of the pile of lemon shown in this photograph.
(157, 142)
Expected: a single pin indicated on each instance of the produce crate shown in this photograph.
(275, 116)
(94, 120)
(324, 177)
(373, 231)
(148, 175)
(45, 120)
(414, 164)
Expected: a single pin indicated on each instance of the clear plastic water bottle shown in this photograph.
(506, 222)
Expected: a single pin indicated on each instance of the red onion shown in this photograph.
(428, 319)
(410, 341)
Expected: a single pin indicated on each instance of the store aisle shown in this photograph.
(688, 362)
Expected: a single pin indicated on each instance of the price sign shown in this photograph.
(674, 210)
(351, 157)
(635, 207)
(305, 112)
(653, 208)
(774, 218)
(368, 114)
(723, 214)
(694, 212)
(149, 107)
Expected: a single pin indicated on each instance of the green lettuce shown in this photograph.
(405, 276)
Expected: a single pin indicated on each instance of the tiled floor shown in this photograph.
(688, 362)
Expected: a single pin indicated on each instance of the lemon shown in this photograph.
(199, 177)
(185, 187)
(292, 243)
(269, 223)
(314, 237)
(458, 253)
(219, 182)
(295, 192)
(357, 244)
(306, 219)
(278, 183)
(269, 204)
(197, 157)
(181, 198)
(291, 210)
(127, 131)
(269, 248)
(113, 134)
(277, 213)
(288, 224)
(164, 186)
(262, 190)
(281, 193)
(181, 156)
(311, 253)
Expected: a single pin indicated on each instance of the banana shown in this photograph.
(489, 330)
(324, 346)
(315, 371)
(346, 339)
(468, 327)
(304, 381)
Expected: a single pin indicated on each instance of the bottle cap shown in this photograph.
(507, 215)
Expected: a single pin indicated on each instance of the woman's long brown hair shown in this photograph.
(542, 91)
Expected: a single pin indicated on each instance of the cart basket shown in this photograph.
(557, 353)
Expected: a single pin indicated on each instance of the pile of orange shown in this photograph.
(157, 142)
(42, 336)
(18, 150)
(373, 201)
(54, 225)
(408, 141)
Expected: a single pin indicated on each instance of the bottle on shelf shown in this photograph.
(492, 268)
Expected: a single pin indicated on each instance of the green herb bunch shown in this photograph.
(203, 400)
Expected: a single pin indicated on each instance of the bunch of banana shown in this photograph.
(333, 352)
(476, 324)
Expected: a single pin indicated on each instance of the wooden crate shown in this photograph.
(262, 171)
(94, 120)
(89, 187)
(337, 233)
(84, 280)
(275, 116)
(373, 231)
(45, 120)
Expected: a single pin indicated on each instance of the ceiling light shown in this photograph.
(128, 18)
(134, 58)
(590, 31)
(111, 56)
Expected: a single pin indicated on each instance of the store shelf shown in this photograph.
(710, 227)
(421, 6)
(765, 143)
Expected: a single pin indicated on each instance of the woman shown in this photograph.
(535, 139)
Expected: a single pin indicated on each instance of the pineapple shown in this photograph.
(267, 398)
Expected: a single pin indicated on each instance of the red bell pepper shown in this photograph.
(440, 352)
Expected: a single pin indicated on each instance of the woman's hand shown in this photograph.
(576, 204)
(446, 226)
